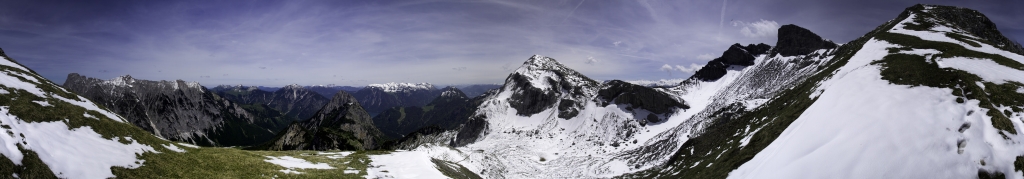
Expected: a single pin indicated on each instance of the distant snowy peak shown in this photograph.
(129, 81)
(125, 80)
(541, 71)
(238, 87)
(452, 92)
(402, 87)
(293, 87)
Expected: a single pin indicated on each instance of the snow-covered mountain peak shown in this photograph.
(293, 87)
(962, 21)
(541, 71)
(452, 92)
(125, 80)
(402, 87)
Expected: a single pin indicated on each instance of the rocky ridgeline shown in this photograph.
(175, 110)
(341, 124)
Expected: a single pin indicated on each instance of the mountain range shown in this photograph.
(176, 110)
(936, 92)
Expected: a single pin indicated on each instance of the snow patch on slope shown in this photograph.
(984, 68)
(410, 164)
(839, 134)
(173, 147)
(89, 105)
(292, 163)
(941, 37)
(79, 152)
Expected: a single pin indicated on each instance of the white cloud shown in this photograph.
(693, 68)
(759, 29)
(591, 61)
(616, 43)
(707, 57)
(666, 67)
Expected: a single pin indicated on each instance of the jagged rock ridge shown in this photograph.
(342, 124)
(737, 55)
(176, 110)
(292, 101)
(376, 98)
(446, 112)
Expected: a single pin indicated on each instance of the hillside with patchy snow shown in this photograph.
(936, 92)
(922, 96)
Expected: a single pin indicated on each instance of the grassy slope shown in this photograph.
(235, 163)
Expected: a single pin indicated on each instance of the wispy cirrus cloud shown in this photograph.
(758, 29)
(444, 42)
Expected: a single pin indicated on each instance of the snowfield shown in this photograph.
(292, 163)
(77, 153)
(410, 164)
(862, 126)
(984, 68)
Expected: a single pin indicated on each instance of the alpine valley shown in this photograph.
(937, 92)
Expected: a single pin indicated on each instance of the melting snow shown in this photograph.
(11, 82)
(292, 163)
(88, 105)
(8, 62)
(188, 145)
(863, 127)
(42, 103)
(984, 68)
(173, 147)
(79, 152)
(335, 155)
(408, 164)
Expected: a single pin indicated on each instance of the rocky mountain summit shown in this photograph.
(795, 40)
(446, 112)
(376, 98)
(293, 101)
(342, 124)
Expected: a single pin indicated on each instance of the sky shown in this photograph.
(275, 43)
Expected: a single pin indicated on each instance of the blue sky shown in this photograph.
(440, 42)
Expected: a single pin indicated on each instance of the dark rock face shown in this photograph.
(446, 112)
(735, 55)
(470, 132)
(562, 86)
(637, 98)
(292, 101)
(342, 124)
(530, 100)
(375, 99)
(740, 55)
(795, 40)
(175, 110)
(297, 101)
(975, 23)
